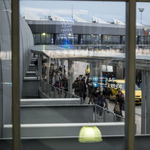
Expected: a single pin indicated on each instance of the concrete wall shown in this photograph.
(31, 88)
(26, 41)
(56, 114)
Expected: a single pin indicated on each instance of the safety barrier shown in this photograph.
(55, 92)
(107, 116)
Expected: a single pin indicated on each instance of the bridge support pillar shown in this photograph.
(39, 66)
(96, 69)
(55, 63)
(100, 75)
(119, 72)
(48, 68)
(92, 70)
(70, 75)
(62, 63)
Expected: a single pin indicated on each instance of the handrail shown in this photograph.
(56, 88)
(39, 52)
(109, 112)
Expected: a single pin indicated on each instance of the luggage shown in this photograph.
(117, 107)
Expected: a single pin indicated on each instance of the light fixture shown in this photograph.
(43, 33)
(141, 10)
(90, 135)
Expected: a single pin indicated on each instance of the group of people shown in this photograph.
(83, 87)
(79, 86)
(99, 97)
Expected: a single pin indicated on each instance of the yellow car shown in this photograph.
(87, 70)
(119, 85)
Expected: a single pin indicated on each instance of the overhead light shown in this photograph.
(43, 33)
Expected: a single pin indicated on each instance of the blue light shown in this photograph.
(66, 44)
(95, 78)
(95, 84)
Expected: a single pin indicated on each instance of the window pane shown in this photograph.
(142, 70)
(5, 74)
(65, 78)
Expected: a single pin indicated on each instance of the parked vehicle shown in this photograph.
(119, 85)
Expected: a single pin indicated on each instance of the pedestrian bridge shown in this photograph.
(107, 57)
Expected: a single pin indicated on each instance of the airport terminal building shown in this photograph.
(54, 30)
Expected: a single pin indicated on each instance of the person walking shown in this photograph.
(87, 84)
(107, 92)
(76, 87)
(101, 101)
(92, 95)
(80, 88)
(64, 82)
(120, 100)
(90, 86)
(57, 79)
(84, 90)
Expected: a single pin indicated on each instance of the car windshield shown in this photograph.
(122, 86)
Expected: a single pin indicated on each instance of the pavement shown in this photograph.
(109, 116)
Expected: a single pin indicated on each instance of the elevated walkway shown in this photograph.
(58, 114)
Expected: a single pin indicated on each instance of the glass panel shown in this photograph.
(37, 39)
(72, 86)
(5, 75)
(43, 38)
(142, 70)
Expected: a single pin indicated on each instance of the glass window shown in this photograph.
(37, 39)
(48, 39)
(43, 38)
(58, 94)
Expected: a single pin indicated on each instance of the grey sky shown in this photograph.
(104, 10)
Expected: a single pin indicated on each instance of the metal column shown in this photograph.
(130, 75)
(48, 68)
(143, 103)
(148, 104)
(39, 66)
(70, 75)
(62, 62)
(91, 70)
(56, 63)
(100, 75)
(97, 69)
(15, 75)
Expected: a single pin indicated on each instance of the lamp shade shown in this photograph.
(90, 135)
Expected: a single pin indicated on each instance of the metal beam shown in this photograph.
(15, 75)
(48, 68)
(62, 62)
(70, 75)
(143, 103)
(130, 75)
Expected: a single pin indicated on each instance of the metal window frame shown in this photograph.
(130, 67)
(15, 75)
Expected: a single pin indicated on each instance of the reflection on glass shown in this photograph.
(90, 135)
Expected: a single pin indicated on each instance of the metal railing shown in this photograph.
(106, 115)
(55, 92)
